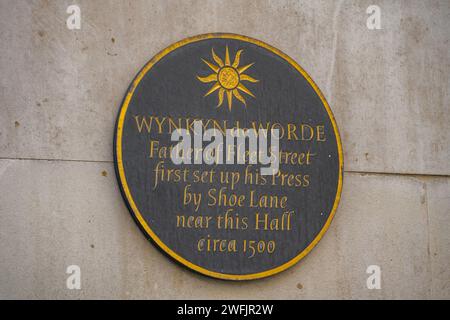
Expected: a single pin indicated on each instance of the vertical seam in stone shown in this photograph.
(334, 49)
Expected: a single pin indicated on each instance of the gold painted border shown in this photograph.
(126, 191)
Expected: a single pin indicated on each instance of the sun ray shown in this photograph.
(239, 97)
(237, 58)
(212, 77)
(213, 67)
(244, 89)
(246, 77)
(227, 57)
(214, 88)
(217, 59)
(221, 92)
(230, 98)
(242, 69)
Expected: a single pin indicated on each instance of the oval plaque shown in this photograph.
(228, 221)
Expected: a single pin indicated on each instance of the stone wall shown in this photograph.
(61, 90)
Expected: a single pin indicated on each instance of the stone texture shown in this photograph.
(57, 213)
(61, 89)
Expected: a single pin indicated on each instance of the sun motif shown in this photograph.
(228, 78)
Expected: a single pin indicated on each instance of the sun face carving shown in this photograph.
(228, 78)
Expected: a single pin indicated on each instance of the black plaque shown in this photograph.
(243, 225)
